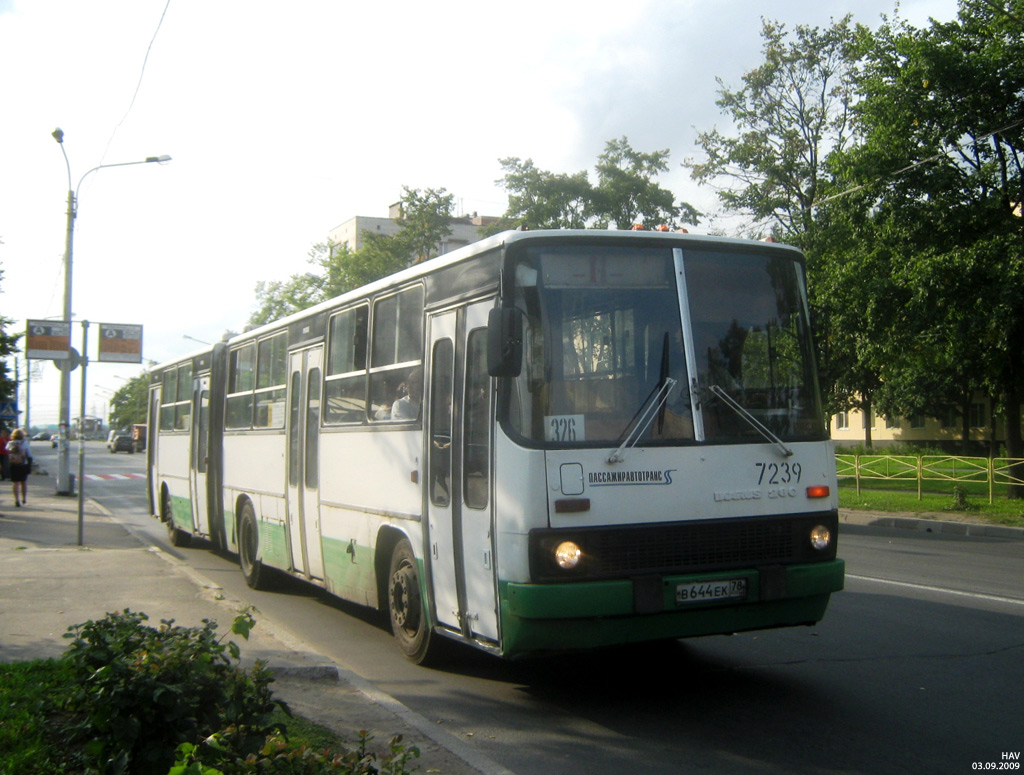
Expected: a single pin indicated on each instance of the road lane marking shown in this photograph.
(944, 590)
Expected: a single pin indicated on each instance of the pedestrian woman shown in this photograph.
(19, 461)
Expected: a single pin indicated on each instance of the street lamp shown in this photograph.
(63, 463)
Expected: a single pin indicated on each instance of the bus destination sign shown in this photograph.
(120, 343)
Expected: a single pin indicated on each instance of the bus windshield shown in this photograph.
(612, 351)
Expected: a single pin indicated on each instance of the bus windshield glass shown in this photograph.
(611, 350)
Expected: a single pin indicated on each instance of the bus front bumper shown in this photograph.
(558, 617)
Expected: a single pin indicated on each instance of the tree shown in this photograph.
(423, 226)
(8, 347)
(625, 194)
(128, 405)
(539, 199)
(942, 153)
(791, 113)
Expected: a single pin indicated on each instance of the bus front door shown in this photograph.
(458, 498)
(305, 385)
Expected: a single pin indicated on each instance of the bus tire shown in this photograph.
(405, 605)
(248, 549)
(176, 536)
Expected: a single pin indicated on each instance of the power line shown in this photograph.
(918, 163)
(142, 74)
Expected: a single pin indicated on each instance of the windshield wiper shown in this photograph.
(644, 417)
(754, 423)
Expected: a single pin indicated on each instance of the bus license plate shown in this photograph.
(710, 591)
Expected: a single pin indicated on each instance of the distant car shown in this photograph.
(44, 436)
(120, 441)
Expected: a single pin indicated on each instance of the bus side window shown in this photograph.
(476, 433)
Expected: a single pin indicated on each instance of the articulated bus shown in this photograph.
(544, 441)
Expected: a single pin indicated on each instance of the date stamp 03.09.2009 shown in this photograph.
(1007, 761)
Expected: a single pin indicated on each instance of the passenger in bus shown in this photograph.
(407, 407)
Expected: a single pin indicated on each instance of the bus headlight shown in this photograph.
(568, 555)
(821, 537)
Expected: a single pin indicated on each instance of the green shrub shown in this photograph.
(143, 691)
(219, 755)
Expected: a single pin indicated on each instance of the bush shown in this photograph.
(142, 692)
(218, 755)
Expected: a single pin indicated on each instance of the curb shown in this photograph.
(958, 529)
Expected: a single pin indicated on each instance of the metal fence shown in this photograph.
(919, 469)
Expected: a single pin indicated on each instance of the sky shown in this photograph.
(284, 120)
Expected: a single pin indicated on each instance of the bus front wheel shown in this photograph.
(248, 549)
(405, 603)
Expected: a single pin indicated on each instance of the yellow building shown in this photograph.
(850, 429)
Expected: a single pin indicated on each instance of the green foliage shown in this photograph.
(219, 755)
(425, 223)
(791, 113)
(129, 404)
(538, 199)
(30, 691)
(941, 160)
(960, 501)
(142, 691)
(625, 193)
(8, 347)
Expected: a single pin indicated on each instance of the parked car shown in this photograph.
(120, 441)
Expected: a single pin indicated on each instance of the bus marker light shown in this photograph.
(818, 491)
(821, 537)
(568, 555)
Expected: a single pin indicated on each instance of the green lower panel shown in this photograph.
(349, 570)
(274, 545)
(181, 513)
(559, 617)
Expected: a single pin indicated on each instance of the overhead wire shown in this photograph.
(918, 163)
(138, 85)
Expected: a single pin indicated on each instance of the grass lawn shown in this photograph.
(938, 505)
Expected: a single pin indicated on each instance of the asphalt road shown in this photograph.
(918, 667)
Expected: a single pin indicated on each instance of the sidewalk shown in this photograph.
(48, 583)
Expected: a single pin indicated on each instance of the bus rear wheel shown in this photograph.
(405, 604)
(248, 549)
(174, 535)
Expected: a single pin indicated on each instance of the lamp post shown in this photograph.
(64, 486)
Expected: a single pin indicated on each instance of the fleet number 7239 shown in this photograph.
(778, 473)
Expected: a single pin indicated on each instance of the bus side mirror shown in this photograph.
(504, 342)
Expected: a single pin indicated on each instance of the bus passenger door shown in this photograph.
(200, 444)
(438, 468)
(458, 473)
(305, 386)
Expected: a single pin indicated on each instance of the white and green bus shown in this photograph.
(544, 441)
